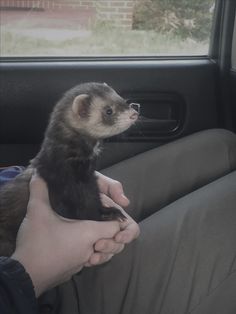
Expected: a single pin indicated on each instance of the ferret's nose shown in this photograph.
(135, 106)
(135, 109)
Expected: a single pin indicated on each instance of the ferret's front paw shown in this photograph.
(112, 213)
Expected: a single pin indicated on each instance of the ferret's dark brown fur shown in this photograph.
(66, 161)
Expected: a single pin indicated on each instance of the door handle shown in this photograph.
(162, 115)
(150, 125)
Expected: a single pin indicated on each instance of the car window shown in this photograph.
(105, 28)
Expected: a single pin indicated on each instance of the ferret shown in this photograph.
(84, 116)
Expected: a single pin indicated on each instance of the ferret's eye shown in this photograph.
(109, 111)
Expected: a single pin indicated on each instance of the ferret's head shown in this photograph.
(97, 110)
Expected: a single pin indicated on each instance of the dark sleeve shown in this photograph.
(16, 289)
(9, 173)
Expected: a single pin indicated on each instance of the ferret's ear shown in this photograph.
(81, 105)
(105, 84)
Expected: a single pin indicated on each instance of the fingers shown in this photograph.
(129, 232)
(98, 259)
(127, 235)
(96, 230)
(129, 228)
(105, 249)
(117, 194)
(108, 246)
(112, 188)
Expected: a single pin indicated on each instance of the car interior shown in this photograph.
(187, 114)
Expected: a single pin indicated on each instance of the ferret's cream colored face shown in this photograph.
(103, 117)
(110, 119)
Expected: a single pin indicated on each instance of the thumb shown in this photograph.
(38, 193)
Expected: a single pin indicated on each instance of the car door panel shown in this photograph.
(177, 97)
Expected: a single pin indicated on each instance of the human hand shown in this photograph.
(112, 188)
(129, 229)
(53, 248)
(106, 248)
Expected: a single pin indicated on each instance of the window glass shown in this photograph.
(105, 28)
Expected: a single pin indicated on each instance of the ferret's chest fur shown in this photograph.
(68, 168)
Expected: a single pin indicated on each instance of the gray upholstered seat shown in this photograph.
(176, 169)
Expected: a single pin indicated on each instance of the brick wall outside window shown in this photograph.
(117, 13)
